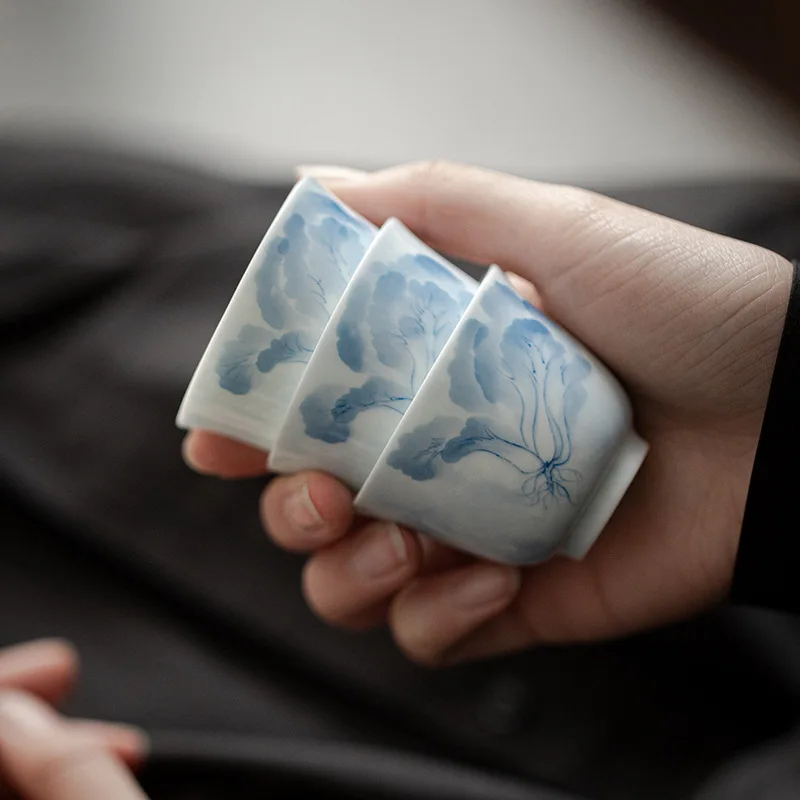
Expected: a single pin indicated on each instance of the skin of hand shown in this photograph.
(46, 757)
(688, 320)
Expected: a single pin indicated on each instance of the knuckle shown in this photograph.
(425, 179)
(430, 171)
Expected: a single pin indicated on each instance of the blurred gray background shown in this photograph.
(591, 91)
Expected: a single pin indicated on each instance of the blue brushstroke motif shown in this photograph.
(304, 272)
(399, 322)
(418, 451)
(295, 347)
(316, 411)
(534, 385)
(236, 367)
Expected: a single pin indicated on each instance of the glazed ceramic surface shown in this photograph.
(265, 339)
(518, 445)
(398, 312)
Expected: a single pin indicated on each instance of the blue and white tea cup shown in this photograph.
(519, 445)
(287, 295)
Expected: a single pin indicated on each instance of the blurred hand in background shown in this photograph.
(44, 756)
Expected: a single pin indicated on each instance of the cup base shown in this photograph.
(225, 424)
(609, 492)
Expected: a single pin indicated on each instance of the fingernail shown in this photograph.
(518, 282)
(382, 554)
(329, 172)
(301, 511)
(524, 288)
(488, 585)
(22, 715)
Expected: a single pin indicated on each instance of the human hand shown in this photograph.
(46, 757)
(689, 321)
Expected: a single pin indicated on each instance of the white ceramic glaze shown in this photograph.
(396, 315)
(258, 353)
(519, 444)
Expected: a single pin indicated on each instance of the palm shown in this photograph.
(666, 553)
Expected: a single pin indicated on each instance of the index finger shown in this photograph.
(478, 214)
(44, 759)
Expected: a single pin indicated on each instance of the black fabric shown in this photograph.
(769, 773)
(768, 560)
(113, 274)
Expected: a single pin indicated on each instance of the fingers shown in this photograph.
(432, 615)
(126, 742)
(306, 511)
(45, 759)
(212, 454)
(47, 668)
(350, 583)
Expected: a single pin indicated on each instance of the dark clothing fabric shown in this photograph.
(769, 550)
(113, 274)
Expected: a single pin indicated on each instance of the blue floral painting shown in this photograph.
(301, 277)
(392, 328)
(522, 390)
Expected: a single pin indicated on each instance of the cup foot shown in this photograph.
(225, 424)
(609, 492)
